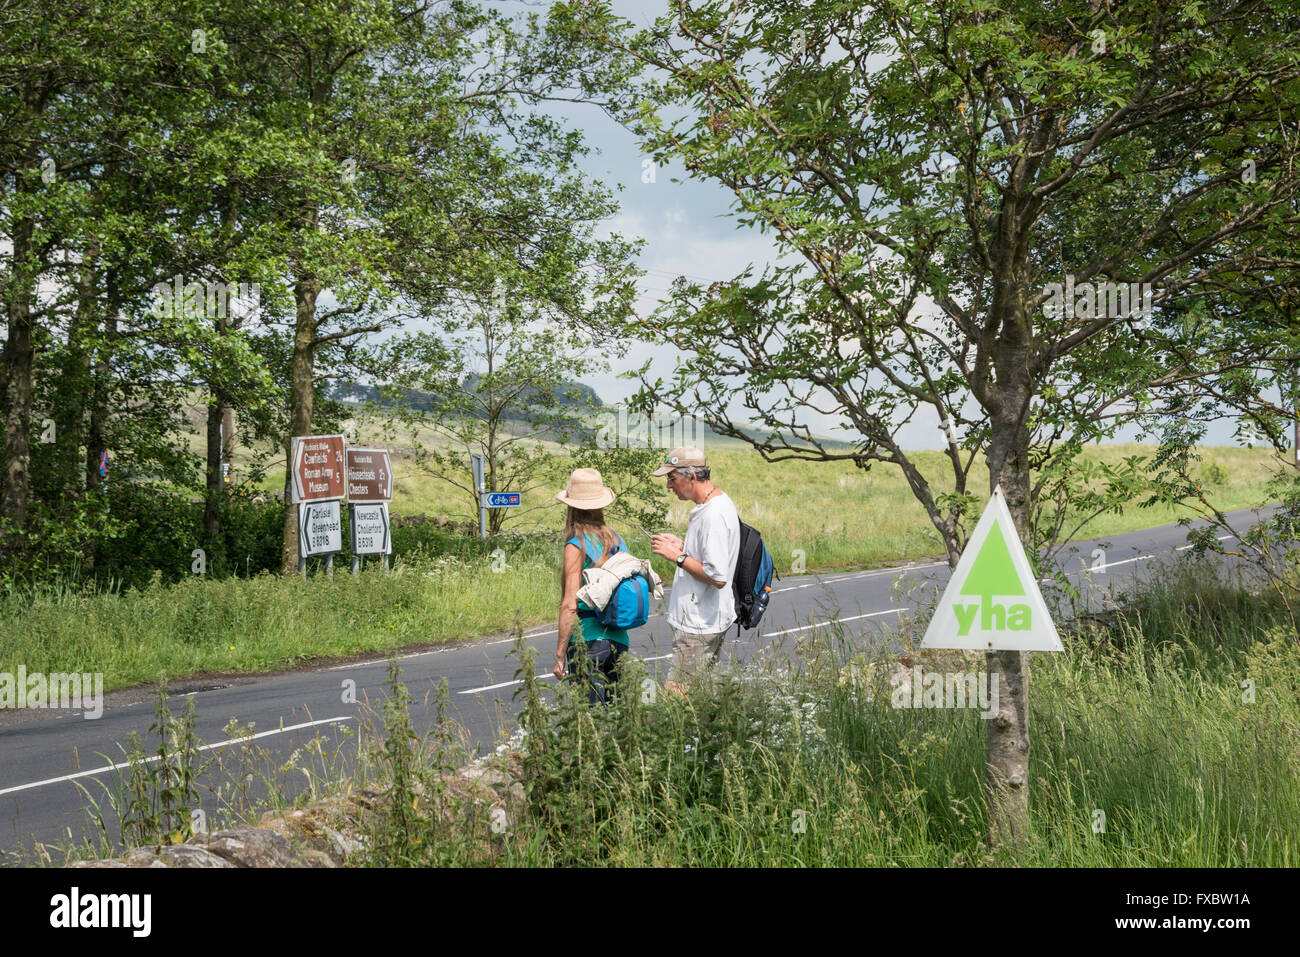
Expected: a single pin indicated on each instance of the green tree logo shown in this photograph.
(994, 573)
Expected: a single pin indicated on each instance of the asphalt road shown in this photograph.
(45, 754)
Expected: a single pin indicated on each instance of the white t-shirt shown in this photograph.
(712, 537)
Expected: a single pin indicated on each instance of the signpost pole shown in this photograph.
(356, 559)
(478, 488)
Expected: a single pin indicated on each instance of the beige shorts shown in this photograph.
(692, 654)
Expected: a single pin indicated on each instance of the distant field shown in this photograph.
(836, 514)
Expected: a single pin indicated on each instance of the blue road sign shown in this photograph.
(501, 500)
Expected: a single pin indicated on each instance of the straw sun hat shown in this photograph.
(585, 490)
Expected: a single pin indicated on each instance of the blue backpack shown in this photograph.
(752, 580)
(629, 605)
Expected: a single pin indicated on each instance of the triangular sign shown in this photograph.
(992, 602)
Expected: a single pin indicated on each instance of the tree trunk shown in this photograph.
(221, 440)
(301, 395)
(72, 391)
(212, 499)
(217, 410)
(227, 445)
(100, 388)
(19, 361)
(1007, 770)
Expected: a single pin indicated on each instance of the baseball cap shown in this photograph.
(680, 458)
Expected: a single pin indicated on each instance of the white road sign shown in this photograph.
(370, 530)
(320, 528)
(992, 602)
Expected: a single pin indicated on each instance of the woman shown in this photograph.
(588, 542)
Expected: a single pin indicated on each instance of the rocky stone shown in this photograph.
(188, 855)
(342, 845)
(484, 776)
(330, 832)
(310, 857)
(109, 863)
(249, 847)
(144, 857)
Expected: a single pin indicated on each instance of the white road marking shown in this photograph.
(540, 677)
(823, 624)
(504, 684)
(511, 641)
(380, 661)
(868, 573)
(856, 576)
(1141, 558)
(1109, 565)
(206, 747)
(1222, 538)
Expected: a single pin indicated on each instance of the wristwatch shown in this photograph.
(681, 558)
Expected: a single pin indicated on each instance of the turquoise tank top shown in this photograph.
(592, 629)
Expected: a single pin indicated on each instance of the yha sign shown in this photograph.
(992, 602)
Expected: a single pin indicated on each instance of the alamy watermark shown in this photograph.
(208, 300)
(1103, 300)
(939, 689)
(129, 911)
(659, 430)
(74, 692)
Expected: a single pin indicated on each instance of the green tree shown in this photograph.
(398, 187)
(935, 169)
(497, 381)
(117, 104)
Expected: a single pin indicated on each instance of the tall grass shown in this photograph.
(1168, 737)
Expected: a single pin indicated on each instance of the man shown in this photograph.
(701, 608)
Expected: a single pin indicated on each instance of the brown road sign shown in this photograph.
(317, 468)
(370, 476)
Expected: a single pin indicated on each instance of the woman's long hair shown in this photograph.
(592, 521)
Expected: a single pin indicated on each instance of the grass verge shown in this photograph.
(267, 623)
(1170, 736)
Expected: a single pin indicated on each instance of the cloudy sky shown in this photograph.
(689, 232)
